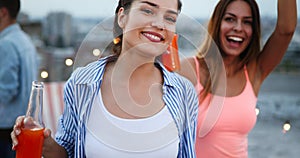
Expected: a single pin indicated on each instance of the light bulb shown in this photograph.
(257, 111)
(286, 126)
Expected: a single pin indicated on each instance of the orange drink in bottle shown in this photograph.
(30, 143)
(31, 138)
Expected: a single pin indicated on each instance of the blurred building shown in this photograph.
(52, 38)
(23, 17)
(58, 29)
(53, 66)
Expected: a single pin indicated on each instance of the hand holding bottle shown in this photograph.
(29, 129)
(30, 138)
(17, 131)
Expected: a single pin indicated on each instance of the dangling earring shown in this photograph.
(116, 40)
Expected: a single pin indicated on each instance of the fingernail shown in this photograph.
(18, 132)
(13, 146)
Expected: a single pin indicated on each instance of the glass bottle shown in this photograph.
(31, 138)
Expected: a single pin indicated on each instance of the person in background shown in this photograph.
(222, 130)
(113, 106)
(18, 68)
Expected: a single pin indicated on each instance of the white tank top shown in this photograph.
(109, 136)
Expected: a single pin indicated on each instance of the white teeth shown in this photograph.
(152, 36)
(237, 39)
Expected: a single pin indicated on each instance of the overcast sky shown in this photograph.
(99, 8)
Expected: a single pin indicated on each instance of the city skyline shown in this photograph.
(102, 8)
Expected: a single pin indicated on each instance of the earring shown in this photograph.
(116, 40)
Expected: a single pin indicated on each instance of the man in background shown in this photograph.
(18, 68)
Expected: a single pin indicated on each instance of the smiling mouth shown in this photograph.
(235, 39)
(153, 37)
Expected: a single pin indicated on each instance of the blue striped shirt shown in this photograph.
(83, 86)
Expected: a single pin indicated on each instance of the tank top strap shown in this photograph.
(246, 73)
(197, 69)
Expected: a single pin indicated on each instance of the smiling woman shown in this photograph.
(127, 104)
(228, 87)
(155, 31)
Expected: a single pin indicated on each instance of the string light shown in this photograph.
(96, 52)
(44, 74)
(257, 111)
(286, 126)
(116, 40)
(69, 62)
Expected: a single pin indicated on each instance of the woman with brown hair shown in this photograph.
(128, 104)
(228, 86)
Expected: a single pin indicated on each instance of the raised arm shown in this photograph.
(278, 42)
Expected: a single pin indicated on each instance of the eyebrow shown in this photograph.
(247, 17)
(156, 6)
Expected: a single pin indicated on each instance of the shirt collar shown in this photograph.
(9, 29)
(169, 77)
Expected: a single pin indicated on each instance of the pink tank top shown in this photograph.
(223, 126)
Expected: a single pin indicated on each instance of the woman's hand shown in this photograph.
(17, 130)
(50, 147)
